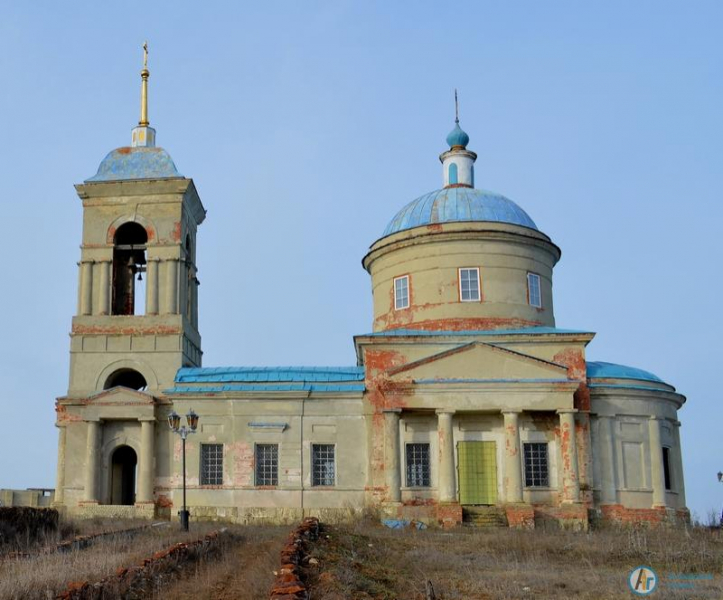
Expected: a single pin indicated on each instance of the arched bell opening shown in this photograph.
(123, 476)
(126, 378)
(129, 262)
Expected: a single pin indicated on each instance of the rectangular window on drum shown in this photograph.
(267, 464)
(323, 464)
(536, 465)
(666, 468)
(469, 285)
(401, 292)
(211, 464)
(534, 295)
(418, 472)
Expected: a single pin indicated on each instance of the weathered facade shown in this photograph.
(465, 393)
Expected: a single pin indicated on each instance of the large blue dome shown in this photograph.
(458, 204)
(136, 163)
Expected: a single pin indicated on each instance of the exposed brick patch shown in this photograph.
(289, 584)
(647, 517)
(449, 515)
(520, 516)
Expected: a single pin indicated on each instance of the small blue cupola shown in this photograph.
(458, 162)
(457, 138)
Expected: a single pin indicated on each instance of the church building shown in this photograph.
(466, 401)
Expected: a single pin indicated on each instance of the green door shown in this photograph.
(477, 472)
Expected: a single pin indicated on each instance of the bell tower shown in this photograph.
(137, 318)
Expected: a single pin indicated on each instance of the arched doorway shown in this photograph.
(123, 476)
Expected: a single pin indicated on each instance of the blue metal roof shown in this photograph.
(456, 204)
(136, 163)
(254, 387)
(606, 370)
(522, 331)
(269, 374)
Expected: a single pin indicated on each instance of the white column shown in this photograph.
(656, 462)
(171, 286)
(608, 480)
(513, 463)
(152, 286)
(104, 288)
(145, 470)
(678, 482)
(392, 469)
(86, 287)
(60, 472)
(92, 461)
(447, 481)
(568, 452)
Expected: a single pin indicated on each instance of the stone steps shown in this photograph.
(484, 516)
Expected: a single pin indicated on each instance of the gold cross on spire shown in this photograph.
(144, 88)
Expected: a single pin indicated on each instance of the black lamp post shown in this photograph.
(174, 422)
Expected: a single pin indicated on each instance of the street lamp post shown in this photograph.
(174, 422)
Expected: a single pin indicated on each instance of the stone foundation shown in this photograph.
(565, 516)
(92, 510)
(617, 514)
(520, 516)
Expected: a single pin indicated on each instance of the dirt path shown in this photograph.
(245, 569)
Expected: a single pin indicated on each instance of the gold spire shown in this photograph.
(144, 88)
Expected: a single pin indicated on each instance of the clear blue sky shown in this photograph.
(307, 125)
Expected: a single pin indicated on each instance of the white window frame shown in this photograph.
(479, 287)
(397, 296)
(311, 464)
(530, 277)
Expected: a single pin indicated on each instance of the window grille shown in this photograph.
(401, 292)
(469, 285)
(536, 465)
(418, 465)
(323, 468)
(267, 464)
(533, 290)
(211, 464)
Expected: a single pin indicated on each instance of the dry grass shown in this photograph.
(366, 561)
(244, 570)
(44, 575)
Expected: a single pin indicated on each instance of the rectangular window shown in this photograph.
(666, 468)
(211, 464)
(267, 464)
(323, 466)
(536, 466)
(401, 292)
(418, 465)
(534, 295)
(469, 285)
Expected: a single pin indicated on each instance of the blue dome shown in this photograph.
(136, 163)
(457, 137)
(458, 204)
(606, 370)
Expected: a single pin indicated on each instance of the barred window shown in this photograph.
(536, 465)
(401, 292)
(323, 467)
(267, 464)
(418, 465)
(469, 285)
(534, 296)
(211, 464)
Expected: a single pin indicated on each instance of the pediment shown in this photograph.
(121, 396)
(478, 361)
